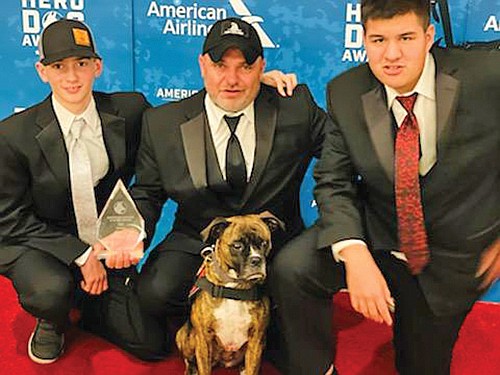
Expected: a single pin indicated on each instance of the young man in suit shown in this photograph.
(48, 247)
(185, 155)
(408, 194)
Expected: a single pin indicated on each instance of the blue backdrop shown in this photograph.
(152, 46)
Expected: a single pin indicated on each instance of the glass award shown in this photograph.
(120, 226)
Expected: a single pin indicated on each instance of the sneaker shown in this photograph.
(45, 345)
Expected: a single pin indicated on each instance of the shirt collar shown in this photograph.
(66, 117)
(216, 113)
(426, 85)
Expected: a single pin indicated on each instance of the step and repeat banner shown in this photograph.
(152, 46)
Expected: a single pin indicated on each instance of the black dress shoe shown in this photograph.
(45, 344)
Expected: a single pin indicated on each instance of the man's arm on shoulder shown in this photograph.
(285, 83)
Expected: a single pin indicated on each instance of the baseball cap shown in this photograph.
(66, 38)
(232, 33)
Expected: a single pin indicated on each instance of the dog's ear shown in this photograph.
(272, 221)
(214, 230)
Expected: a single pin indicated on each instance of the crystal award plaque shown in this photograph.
(120, 226)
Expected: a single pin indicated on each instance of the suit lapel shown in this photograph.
(51, 142)
(447, 96)
(113, 131)
(266, 114)
(193, 140)
(379, 122)
(51, 139)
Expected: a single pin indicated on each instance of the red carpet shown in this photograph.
(363, 347)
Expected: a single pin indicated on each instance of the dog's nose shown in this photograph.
(255, 260)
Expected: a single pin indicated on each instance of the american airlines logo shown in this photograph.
(241, 10)
(195, 19)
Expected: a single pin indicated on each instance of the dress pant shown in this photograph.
(303, 281)
(49, 289)
(163, 286)
(423, 342)
(45, 286)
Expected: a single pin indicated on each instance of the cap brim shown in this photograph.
(69, 53)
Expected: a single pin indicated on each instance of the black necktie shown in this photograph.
(236, 172)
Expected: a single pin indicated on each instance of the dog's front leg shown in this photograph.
(253, 354)
(190, 367)
(203, 354)
(256, 339)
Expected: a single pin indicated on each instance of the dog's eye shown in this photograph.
(238, 246)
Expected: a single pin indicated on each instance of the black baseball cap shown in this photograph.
(66, 38)
(232, 33)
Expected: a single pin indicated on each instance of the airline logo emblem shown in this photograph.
(241, 10)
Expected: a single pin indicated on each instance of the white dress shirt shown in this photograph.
(221, 133)
(425, 112)
(91, 135)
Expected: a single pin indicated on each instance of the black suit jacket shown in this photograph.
(172, 163)
(36, 211)
(461, 195)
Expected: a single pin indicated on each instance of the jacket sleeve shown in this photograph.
(19, 225)
(319, 121)
(147, 190)
(335, 190)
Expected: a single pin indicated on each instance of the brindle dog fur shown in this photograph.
(227, 332)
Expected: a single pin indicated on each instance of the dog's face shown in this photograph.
(242, 244)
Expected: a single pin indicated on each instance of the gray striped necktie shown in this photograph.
(82, 185)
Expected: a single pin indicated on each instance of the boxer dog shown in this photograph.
(229, 313)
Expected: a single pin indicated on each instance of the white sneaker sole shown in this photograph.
(36, 359)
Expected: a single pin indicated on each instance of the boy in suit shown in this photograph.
(407, 189)
(59, 161)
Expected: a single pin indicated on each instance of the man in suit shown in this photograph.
(187, 154)
(408, 194)
(46, 249)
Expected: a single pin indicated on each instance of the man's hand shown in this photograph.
(367, 287)
(95, 280)
(124, 259)
(489, 265)
(281, 81)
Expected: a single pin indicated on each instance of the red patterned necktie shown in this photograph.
(411, 228)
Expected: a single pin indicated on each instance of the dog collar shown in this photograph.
(253, 294)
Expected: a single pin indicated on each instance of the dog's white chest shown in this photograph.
(232, 321)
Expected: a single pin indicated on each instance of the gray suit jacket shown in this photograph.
(36, 211)
(461, 195)
(172, 163)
